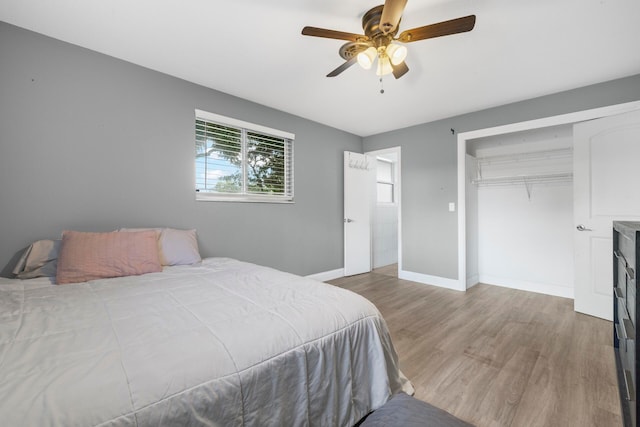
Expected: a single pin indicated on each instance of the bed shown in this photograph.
(218, 343)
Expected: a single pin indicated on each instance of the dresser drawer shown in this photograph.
(625, 328)
(626, 353)
(629, 357)
(621, 284)
(625, 264)
(631, 301)
(627, 247)
(625, 284)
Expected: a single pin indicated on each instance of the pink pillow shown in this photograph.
(89, 256)
(176, 247)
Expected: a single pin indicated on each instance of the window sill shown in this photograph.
(241, 199)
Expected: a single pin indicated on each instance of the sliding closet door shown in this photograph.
(606, 177)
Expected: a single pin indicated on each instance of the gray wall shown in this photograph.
(89, 142)
(429, 168)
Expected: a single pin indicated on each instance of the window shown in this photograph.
(239, 161)
(385, 181)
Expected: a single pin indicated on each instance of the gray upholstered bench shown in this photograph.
(403, 410)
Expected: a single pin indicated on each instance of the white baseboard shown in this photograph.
(523, 285)
(472, 280)
(426, 279)
(327, 275)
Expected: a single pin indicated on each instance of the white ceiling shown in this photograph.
(253, 49)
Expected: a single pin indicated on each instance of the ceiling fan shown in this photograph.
(381, 24)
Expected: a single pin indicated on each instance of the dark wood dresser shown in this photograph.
(626, 257)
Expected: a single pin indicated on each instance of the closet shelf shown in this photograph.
(524, 179)
(560, 153)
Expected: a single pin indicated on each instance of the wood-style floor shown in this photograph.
(498, 357)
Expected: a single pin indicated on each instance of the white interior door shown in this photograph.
(358, 170)
(606, 175)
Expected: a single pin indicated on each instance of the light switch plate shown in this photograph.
(452, 207)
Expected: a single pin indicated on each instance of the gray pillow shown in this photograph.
(40, 259)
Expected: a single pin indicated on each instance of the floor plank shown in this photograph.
(498, 357)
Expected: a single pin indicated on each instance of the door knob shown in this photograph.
(581, 227)
(348, 220)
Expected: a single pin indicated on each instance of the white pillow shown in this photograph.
(177, 247)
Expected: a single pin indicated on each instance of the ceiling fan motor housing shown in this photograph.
(371, 27)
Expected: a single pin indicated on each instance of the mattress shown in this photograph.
(221, 343)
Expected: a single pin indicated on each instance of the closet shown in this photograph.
(519, 201)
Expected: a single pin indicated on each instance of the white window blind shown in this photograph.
(238, 161)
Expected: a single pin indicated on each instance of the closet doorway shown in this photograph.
(520, 210)
(540, 157)
(385, 212)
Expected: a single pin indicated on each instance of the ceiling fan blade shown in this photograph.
(343, 67)
(445, 28)
(332, 34)
(399, 70)
(391, 14)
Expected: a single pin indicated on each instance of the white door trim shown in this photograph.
(464, 137)
(398, 188)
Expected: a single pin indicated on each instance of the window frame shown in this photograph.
(392, 182)
(245, 128)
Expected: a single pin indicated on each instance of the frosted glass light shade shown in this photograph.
(384, 66)
(396, 53)
(367, 57)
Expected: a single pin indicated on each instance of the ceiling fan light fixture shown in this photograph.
(396, 53)
(384, 66)
(367, 57)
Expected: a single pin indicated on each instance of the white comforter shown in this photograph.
(224, 343)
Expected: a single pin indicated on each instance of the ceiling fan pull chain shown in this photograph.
(381, 86)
